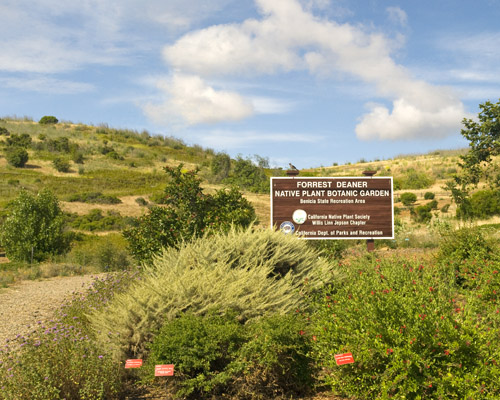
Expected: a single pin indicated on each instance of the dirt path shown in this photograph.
(27, 302)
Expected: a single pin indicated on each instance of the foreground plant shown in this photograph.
(413, 333)
(59, 358)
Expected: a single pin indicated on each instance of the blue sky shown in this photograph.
(310, 82)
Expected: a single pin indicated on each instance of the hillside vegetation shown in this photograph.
(244, 312)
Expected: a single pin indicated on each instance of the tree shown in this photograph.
(48, 119)
(188, 213)
(484, 143)
(34, 227)
(220, 166)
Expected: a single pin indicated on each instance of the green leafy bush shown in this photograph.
(466, 243)
(61, 164)
(106, 253)
(411, 332)
(429, 196)
(23, 140)
(48, 120)
(96, 221)
(94, 198)
(253, 272)
(34, 227)
(408, 198)
(16, 156)
(413, 179)
(216, 355)
(485, 203)
(189, 213)
(4, 131)
(249, 176)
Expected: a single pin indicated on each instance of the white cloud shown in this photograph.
(289, 38)
(410, 122)
(47, 85)
(229, 140)
(50, 36)
(196, 102)
(397, 16)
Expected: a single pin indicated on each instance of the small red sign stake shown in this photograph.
(134, 363)
(345, 358)
(164, 370)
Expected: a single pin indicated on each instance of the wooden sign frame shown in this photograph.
(333, 207)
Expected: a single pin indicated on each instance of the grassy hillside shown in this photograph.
(128, 165)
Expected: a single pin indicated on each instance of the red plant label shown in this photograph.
(345, 358)
(134, 363)
(164, 370)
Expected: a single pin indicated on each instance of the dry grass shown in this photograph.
(128, 207)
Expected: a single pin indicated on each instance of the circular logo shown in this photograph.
(287, 227)
(299, 216)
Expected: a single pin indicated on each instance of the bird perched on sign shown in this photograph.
(293, 166)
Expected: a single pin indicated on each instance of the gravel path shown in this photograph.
(27, 302)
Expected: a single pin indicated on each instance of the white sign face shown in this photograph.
(333, 208)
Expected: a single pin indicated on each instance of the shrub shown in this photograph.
(413, 179)
(408, 198)
(422, 214)
(246, 175)
(23, 140)
(485, 203)
(141, 201)
(16, 156)
(445, 208)
(189, 213)
(94, 198)
(251, 272)
(217, 354)
(4, 131)
(429, 196)
(48, 119)
(34, 227)
(467, 243)
(411, 334)
(106, 253)
(61, 164)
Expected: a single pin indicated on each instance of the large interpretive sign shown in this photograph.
(333, 208)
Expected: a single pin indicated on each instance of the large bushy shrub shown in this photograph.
(34, 227)
(16, 156)
(252, 272)
(216, 355)
(412, 332)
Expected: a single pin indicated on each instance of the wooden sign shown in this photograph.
(133, 363)
(164, 370)
(333, 208)
(345, 358)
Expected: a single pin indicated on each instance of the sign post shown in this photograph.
(333, 208)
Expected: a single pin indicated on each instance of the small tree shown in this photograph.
(188, 213)
(483, 135)
(34, 227)
(48, 119)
